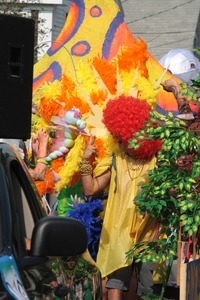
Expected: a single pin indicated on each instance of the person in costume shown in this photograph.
(122, 173)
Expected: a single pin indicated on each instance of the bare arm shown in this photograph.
(92, 186)
(40, 150)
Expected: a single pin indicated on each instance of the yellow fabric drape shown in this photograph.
(122, 226)
(103, 166)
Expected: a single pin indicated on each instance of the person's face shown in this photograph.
(124, 146)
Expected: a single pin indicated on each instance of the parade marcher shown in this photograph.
(124, 172)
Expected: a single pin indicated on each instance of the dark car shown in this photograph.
(53, 267)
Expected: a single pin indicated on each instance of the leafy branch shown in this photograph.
(172, 193)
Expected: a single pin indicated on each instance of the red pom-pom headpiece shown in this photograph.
(125, 116)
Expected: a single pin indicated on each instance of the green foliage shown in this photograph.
(173, 188)
(15, 7)
(191, 92)
(196, 52)
(172, 194)
(154, 251)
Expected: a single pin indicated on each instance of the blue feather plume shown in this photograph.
(89, 214)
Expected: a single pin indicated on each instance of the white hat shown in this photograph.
(182, 63)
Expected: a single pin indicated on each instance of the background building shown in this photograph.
(52, 15)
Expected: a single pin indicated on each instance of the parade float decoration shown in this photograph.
(85, 66)
(95, 58)
(73, 125)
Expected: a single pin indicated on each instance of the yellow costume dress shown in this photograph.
(122, 225)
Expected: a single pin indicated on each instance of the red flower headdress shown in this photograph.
(125, 116)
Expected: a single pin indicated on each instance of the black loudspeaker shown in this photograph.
(16, 76)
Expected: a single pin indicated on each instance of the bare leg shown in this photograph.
(132, 293)
(110, 294)
(104, 289)
(115, 294)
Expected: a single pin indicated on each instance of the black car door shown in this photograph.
(37, 277)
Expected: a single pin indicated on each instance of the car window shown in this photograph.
(26, 209)
(5, 226)
(23, 208)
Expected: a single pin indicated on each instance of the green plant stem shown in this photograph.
(169, 267)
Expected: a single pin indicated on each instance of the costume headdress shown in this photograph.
(125, 116)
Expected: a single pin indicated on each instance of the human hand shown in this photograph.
(43, 138)
(90, 150)
(34, 145)
(75, 199)
(40, 143)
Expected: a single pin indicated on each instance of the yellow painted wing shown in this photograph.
(94, 58)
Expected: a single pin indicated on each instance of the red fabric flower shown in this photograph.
(125, 116)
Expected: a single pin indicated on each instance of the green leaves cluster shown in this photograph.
(172, 194)
(172, 191)
(191, 92)
(170, 187)
(154, 251)
(187, 89)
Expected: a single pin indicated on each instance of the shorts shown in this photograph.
(144, 273)
(120, 279)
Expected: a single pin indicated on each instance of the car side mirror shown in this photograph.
(58, 236)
